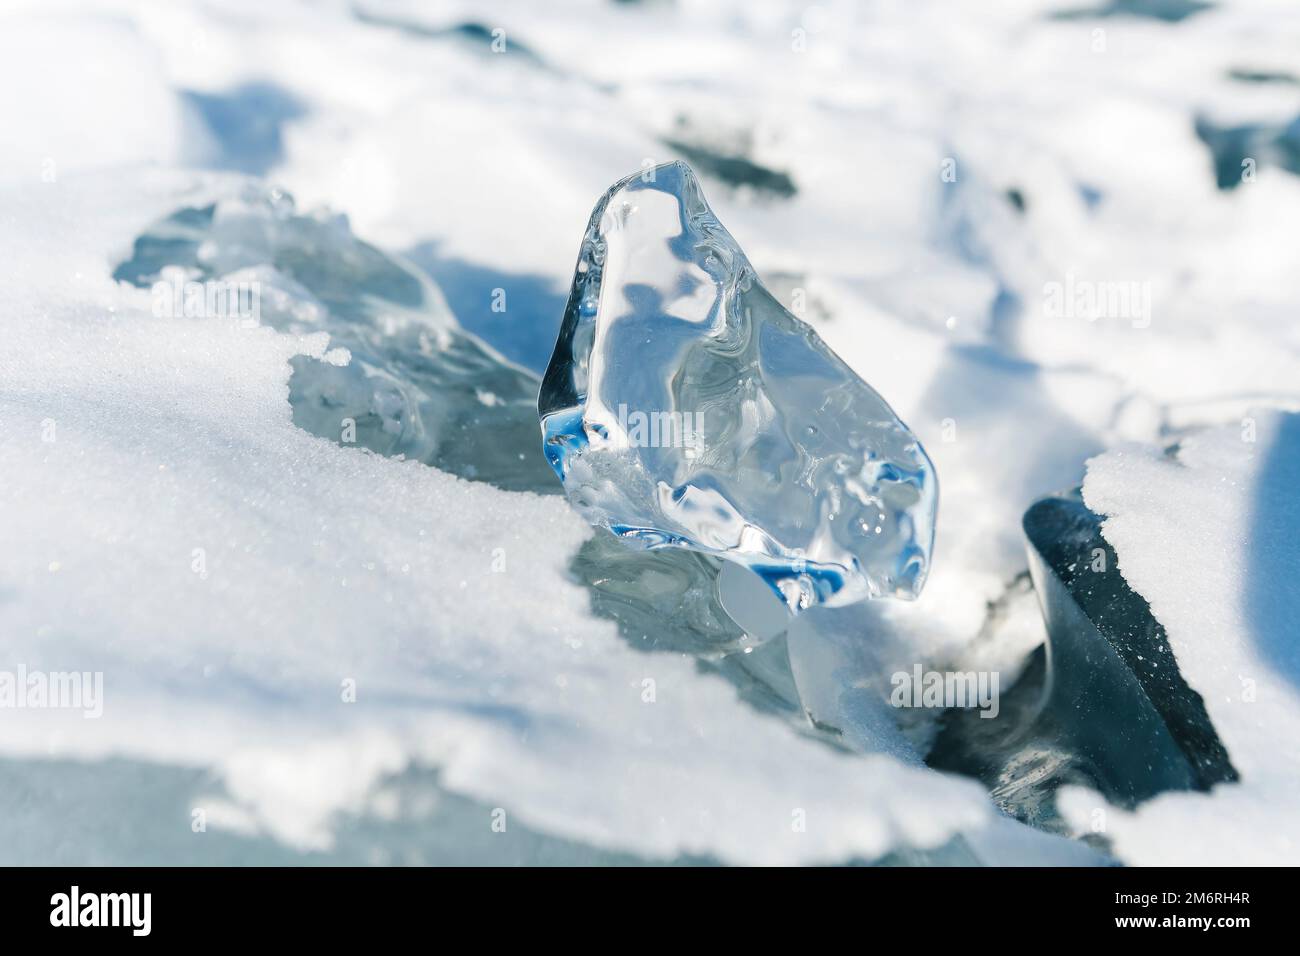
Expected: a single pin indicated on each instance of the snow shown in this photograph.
(57, 128)
(326, 564)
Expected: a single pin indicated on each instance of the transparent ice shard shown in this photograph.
(684, 407)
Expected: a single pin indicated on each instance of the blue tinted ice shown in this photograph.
(685, 407)
(417, 385)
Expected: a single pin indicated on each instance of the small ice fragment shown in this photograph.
(684, 407)
(751, 603)
(1141, 731)
(401, 377)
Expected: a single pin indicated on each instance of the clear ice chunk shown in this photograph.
(1115, 686)
(684, 407)
(1101, 705)
(416, 384)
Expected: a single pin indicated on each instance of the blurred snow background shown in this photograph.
(916, 178)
